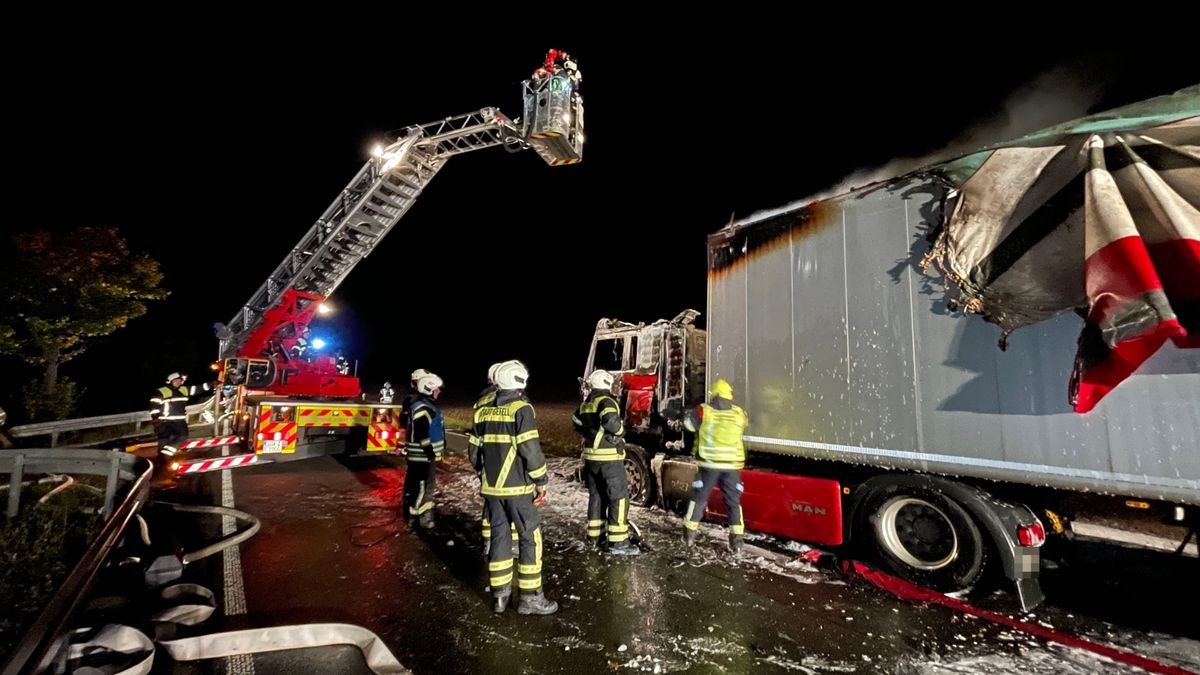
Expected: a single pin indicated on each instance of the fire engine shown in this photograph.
(278, 401)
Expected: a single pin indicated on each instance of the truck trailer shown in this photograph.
(882, 417)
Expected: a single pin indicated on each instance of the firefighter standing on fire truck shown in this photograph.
(719, 426)
(598, 420)
(426, 443)
(168, 412)
(512, 470)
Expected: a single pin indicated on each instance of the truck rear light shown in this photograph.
(1032, 535)
(260, 437)
(383, 435)
(278, 436)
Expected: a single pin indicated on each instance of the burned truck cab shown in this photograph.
(658, 371)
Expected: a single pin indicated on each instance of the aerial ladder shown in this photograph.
(273, 388)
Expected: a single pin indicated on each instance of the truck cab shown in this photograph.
(657, 368)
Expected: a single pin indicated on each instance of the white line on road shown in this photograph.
(235, 589)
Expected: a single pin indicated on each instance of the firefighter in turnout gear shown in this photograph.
(598, 420)
(406, 404)
(168, 411)
(301, 345)
(386, 394)
(488, 395)
(426, 442)
(719, 426)
(513, 482)
(486, 398)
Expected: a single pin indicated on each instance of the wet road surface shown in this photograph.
(333, 549)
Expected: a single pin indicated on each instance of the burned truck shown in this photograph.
(883, 418)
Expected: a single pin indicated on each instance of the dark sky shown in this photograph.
(214, 150)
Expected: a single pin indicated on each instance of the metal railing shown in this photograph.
(39, 644)
(137, 419)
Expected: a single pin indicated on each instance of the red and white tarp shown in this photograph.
(1105, 223)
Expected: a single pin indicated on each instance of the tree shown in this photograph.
(61, 291)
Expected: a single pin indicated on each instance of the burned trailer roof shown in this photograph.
(1100, 216)
(742, 240)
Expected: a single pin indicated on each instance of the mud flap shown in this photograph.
(1029, 591)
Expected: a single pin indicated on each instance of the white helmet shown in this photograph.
(428, 383)
(511, 375)
(387, 385)
(176, 376)
(600, 379)
(419, 373)
(492, 372)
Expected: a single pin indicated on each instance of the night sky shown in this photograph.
(215, 150)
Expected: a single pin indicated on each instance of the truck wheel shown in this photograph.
(925, 537)
(638, 476)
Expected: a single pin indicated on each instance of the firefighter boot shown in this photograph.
(426, 520)
(624, 548)
(500, 602)
(735, 544)
(536, 603)
(689, 537)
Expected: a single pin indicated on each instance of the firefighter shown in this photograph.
(598, 420)
(489, 392)
(387, 393)
(168, 412)
(342, 364)
(486, 398)
(718, 425)
(300, 346)
(426, 443)
(406, 404)
(513, 483)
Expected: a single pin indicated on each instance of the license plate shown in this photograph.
(273, 446)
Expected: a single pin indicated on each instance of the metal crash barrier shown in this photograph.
(39, 643)
(121, 423)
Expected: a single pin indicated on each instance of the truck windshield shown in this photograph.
(611, 354)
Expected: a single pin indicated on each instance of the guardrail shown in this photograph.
(39, 645)
(137, 419)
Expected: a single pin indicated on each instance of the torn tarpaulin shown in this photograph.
(1142, 270)
(1100, 216)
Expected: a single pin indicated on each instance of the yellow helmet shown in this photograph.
(721, 389)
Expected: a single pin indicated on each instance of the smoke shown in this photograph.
(1058, 95)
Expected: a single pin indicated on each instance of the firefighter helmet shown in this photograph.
(492, 372)
(512, 375)
(176, 376)
(429, 383)
(600, 379)
(721, 389)
(387, 385)
(419, 373)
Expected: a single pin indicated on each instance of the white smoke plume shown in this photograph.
(1056, 96)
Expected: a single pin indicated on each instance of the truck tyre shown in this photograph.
(924, 536)
(638, 476)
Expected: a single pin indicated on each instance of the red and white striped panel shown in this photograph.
(210, 442)
(216, 464)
